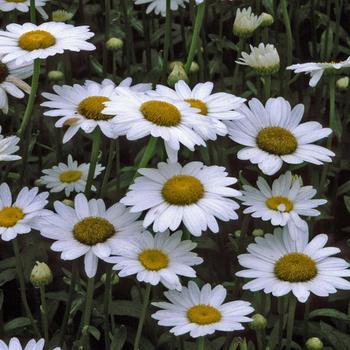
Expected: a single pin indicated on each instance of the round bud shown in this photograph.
(114, 44)
(194, 68)
(55, 75)
(314, 344)
(259, 322)
(41, 275)
(258, 232)
(237, 233)
(174, 64)
(178, 73)
(266, 19)
(114, 278)
(61, 16)
(68, 202)
(343, 83)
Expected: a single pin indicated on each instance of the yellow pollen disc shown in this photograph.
(70, 176)
(36, 39)
(4, 72)
(9, 216)
(153, 259)
(182, 190)
(295, 267)
(280, 203)
(92, 107)
(161, 113)
(203, 314)
(93, 230)
(199, 105)
(276, 140)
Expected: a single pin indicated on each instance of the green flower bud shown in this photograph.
(61, 16)
(237, 233)
(314, 344)
(194, 68)
(259, 322)
(55, 75)
(174, 64)
(114, 278)
(178, 73)
(258, 232)
(41, 275)
(68, 202)
(266, 19)
(343, 83)
(114, 44)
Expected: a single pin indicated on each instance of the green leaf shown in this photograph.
(7, 275)
(347, 202)
(125, 308)
(339, 340)
(329, 313)
(119, 338)
(16, 323)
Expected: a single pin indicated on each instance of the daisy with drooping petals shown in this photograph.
(23, 6)
(201, 311)
(89, 229)
(273, 134)
(15, 344)
(279, 265)
(159, 6)
(195, 194)
(157, 259)
(282, 203)
(8, 146)
(20, 216)
(27, 42)
(69, 177)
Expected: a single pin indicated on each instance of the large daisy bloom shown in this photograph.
(283, 203)
(316, 69)
(27, 42)
(159, 6)
(89, 230)
(70, 177)
(194, 194)
(23, 6)
(20, 216)
(279, 265)
(15, 344)
(201, 311)
(8, 146)
(246, 22)
(272, 134)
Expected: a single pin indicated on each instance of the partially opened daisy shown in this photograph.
(22, 215)
(201, 311)
(23, 6)
(246, 22)
(279, 265)
(272, 134)
(157, 259)
(89, 230)
(159, 6)
(283, 203)
(26, 42)
(15, 344)
(70, 177)
(194, 194)
(8, 146)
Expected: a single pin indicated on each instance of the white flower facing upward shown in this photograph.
(279, 265)
(8, 146)
(70, 177)
(26, 42)
(283, 203)
(15, 344)
(263, 59)
(194, 194)
(20, 216)
(272, 134)
(202, 311)
(157, 259)
(89, 230)
(159, 6)
(246, 22)
(316, 69)
(23, 6)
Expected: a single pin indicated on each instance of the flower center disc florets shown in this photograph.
(183, 190)
(9, 216)
(161, 113)
(36, 39)
(70, 176)
(93, 230)
(92, 107)
(4, 72)
(295, 267)
(203, 314)
(153, 259)
(280, 203)
(199, 105)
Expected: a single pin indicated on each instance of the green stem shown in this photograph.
(267, 87)
(44, 315)
(332, 83)
(286, 21)
(201, 343)
(306, 320)
(281, 320)
(260, 339)
(142, 316)
(166, 39)
(106, 300)
(107, 34)
(240, 46)
(87, 312)
(32, 11)
(290, 324)
(111, 154)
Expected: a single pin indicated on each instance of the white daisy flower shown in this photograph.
(279, 265)
(69, 177)
(316, 69)
(20, 216)
(26, 42)
(8, 146)
(159, 6)
(263, 59)
(11, 81)
(195, 194)
(89, 229)
(283, 203)
(201, 311)
(157, 259)
(23, 6)
(15, 344)
(246, 22)
(273, 134)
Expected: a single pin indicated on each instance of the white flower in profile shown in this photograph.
(246, 22)
(15, 344)
(279, 265)
(8, 146)
(23, 6)
(202, 311)
(159, 6)
(316, 69)
(272, 134)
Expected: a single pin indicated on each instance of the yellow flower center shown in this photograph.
(36, 39)
(182, 190)
(199, 105)
(70, 176)
(276, 140)
(92, 107)
(280, 203)
(9, 216)
(295, 267)
(93, 230)
(4, 72)
(161, 113)
(203, 314)
(153, 259)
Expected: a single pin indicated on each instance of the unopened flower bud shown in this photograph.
(314, 344)
(55, 75)
(343, 83)
(298, 178)
(178, 73)
(114, 278)
(114, 44)
(194, 68)
(68, 202)
(237, 233)
(174, 64)
(61, 16)
(259, 322)
(258, 232)
(41, 275)
(266, 19)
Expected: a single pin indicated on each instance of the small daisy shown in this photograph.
(89, 229)
(69, 177)
(201, 311)
(194, 194)
(157, 259)
(246, 22)
(8, 146)
(15, 344)
(21, 216)
(26, 42)
(316, 70)
(159, 6)
(273, 134)
(279, 265)
(23, 6)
